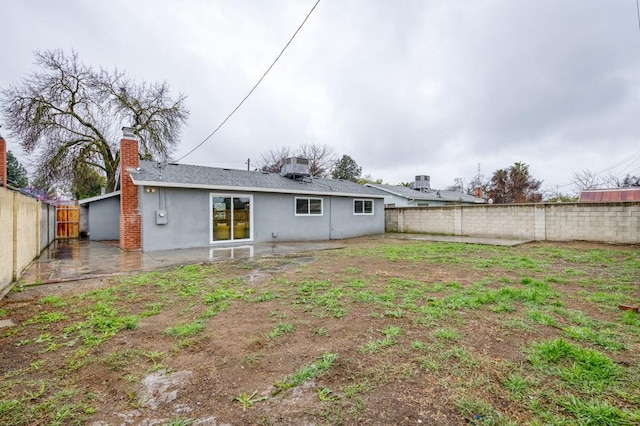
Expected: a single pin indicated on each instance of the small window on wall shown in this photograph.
(362, 206)
(308, 206)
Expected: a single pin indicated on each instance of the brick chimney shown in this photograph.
(477, 191)
(3, 162)
(130, 224)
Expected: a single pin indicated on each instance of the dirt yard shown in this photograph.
(381, 332)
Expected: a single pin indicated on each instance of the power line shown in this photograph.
(633, 157)
(255, 86)
(638, 12)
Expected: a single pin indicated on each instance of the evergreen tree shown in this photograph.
(346, 168)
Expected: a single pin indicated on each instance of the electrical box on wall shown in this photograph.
(161, 217)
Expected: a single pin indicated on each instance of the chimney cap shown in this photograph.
(128, 132)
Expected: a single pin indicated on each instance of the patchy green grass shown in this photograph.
(477, 334)
(307, 372)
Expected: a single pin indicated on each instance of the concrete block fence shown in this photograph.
(617, 222)
(27, 226)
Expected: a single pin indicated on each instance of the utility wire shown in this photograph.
(255, 86)
(638, 12)
(633, 157)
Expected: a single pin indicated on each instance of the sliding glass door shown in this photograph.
(230, 217)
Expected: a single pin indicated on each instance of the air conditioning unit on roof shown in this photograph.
(295, 168)
(422, 183)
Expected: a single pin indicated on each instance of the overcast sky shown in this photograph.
(404, 87)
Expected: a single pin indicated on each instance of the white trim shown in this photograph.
(213, 195)
(98, 197)
(247, 189)
(364, 213)
(295, 206)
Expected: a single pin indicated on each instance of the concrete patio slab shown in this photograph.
(68, 260)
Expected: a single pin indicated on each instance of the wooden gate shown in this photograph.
(67, 221)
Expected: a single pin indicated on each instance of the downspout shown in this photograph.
(330, 222)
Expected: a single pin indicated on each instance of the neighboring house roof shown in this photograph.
(432, 195)
(150, 173)
(607, 195)
(98, 197)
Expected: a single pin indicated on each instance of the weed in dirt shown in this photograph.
(247, 401)
(185, 330)
(46, 318)
(307, 372)
(598, 412)
(151, 309)
(607, 300)
(478, 412)
(320, 331)
(541, 317)
(280, 330)
(53, 300)
(326, 394)
(179, 422)
(265, 297)
(419, 346)
(517, 384)
(586, 370)
(446, 334)
(602, 337)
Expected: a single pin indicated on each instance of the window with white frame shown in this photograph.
(362, 206)
(308, 206)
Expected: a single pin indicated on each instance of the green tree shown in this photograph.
(87, 182)
(67, 112)
(369, 179)
(514, 185)
(16, 173)
(346, 168)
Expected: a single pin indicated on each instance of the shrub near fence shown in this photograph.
(605, 222)
(26, 227)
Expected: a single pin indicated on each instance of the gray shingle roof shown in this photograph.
(433, 195)
(189, 176)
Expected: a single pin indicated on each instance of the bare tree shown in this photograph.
(273, 159)
(458, 185)
(70, 115)
(612, 181)
(585, 179)
(321, 158)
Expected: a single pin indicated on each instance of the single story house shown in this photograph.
(421, 195)
(171, 206)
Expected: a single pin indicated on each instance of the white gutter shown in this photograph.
(246, 189)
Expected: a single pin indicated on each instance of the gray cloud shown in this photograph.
(405, 88)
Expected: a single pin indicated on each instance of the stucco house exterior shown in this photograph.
(170, 206)
(404, 196)
(100, 216)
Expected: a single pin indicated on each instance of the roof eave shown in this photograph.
(246, 189)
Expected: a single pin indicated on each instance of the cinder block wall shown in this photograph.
(27, 227)
(6, 239)
(610, 222)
